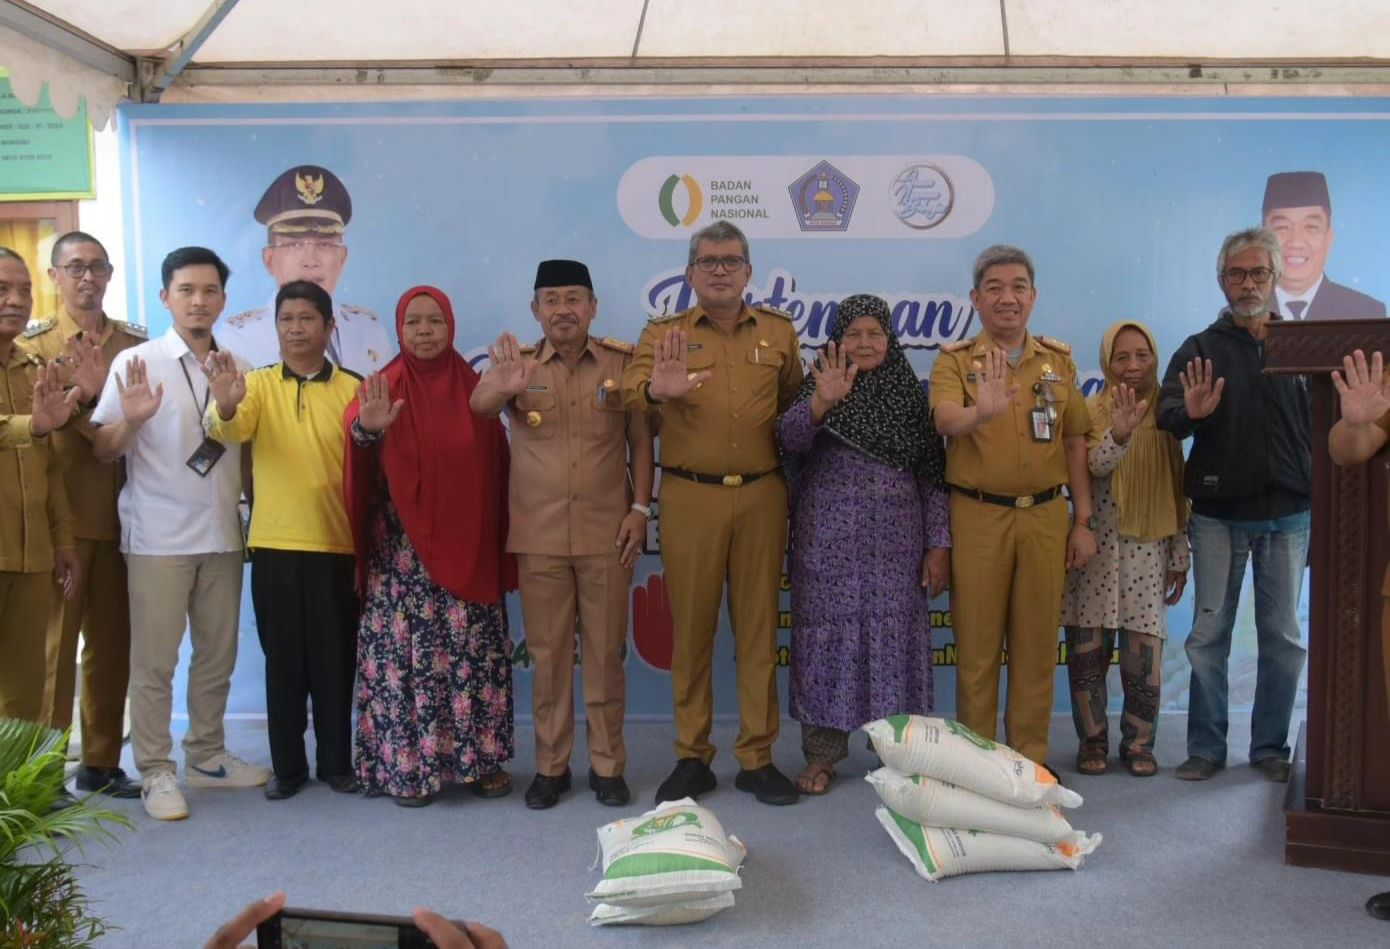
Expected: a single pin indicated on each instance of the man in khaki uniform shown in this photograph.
(579, 498)
(719, 374)
(36, 543)
(1016, 425)
(101, 612)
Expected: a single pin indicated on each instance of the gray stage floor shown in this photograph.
(1181, 865)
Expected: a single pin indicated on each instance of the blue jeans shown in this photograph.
(1220, 550)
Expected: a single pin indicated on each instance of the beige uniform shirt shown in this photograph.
(726, 425)
(34, 514)
(568, 487)
(93, 486)
(1002, 456)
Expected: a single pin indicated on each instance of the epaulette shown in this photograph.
(244, 317)
(357, 311)
(39, 328)
(526, 349)
(772, 311)
(956, 346)
(131, 329)
(667, 317)
(1056, 344)
(617, 345)
(33, 359)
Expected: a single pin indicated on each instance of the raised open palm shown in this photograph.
(1364, 389)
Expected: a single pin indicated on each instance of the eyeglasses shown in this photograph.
(97, 268)
(711, 264)
(1237, 275)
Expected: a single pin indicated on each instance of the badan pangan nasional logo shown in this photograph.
(824, 198)
(694, 200)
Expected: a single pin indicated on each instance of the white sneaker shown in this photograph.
(225, 771)
(162, 798)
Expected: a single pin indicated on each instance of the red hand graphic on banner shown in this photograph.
(653, 631)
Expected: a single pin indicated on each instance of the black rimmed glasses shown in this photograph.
(1237, 275)
(97, 268)
(711, 264)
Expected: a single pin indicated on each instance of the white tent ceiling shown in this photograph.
(182, 49)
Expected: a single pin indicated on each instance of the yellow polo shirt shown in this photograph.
(295, 427)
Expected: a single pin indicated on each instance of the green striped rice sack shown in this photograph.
(948, 751)
(676, 853)
(942, 804)
(940, 852)
(676, 914)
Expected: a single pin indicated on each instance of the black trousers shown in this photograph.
(306, 617)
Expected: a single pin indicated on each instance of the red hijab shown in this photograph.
(444, 467)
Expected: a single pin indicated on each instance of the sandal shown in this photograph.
(1091, 756)
(815, 778)
(1141, 764)
(496, 784)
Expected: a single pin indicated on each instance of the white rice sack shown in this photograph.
(940, 852)
(942, 804)
(948, 751)
(675, 853)
(676, 914)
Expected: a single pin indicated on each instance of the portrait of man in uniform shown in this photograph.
(305, 212)
(1298, 209)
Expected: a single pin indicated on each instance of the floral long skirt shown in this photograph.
(434, 677)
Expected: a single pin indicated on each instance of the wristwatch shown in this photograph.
(1092, 523)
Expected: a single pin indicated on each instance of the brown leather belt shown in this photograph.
(728, 480)
(1004, 500)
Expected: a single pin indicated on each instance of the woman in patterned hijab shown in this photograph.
(870, 534)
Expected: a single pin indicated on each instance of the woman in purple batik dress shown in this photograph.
(870, 532)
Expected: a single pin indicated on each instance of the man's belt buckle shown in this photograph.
(732, 481)
(1025, 501)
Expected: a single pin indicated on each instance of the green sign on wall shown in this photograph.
(43, 156)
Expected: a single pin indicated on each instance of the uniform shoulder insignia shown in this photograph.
(1056, 344)
(772, 311)
(41, 327)
(33, 359)
(242, 318)
(132, 329)
(667, 317)
(956, 346)
(527, 349)
(361, 311)
(617, 345)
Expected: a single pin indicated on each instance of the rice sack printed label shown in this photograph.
(676, 914)
(940, 852)
(676, 853)
(948, 751)
(942, 804)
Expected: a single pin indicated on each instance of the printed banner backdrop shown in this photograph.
(1121, 202)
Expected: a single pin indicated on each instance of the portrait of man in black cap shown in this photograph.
(305, 212)
(1298, 209)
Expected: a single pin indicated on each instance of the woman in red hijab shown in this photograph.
(426, 485)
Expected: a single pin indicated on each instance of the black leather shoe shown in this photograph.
(423, 800)
(690, 778)
(1379, 906)
(610, 792)
(280, 789)
(112, 782)
(545, 791)
(343, 783)
(768, 785)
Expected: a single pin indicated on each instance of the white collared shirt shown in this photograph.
(165, 507)
(1283, 299)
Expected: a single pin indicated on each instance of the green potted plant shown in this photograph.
(41, 904)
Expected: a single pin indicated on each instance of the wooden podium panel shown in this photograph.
(1337, 811)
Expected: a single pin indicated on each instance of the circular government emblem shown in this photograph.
(922, 196)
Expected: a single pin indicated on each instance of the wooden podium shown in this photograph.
(1337, 810)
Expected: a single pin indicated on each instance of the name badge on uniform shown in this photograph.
(694, 347)
(1042, 424)
(538, 388)
(207, 455)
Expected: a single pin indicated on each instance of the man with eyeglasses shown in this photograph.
(718, 375)
(81, 270)
(1249, 477)
(306, 211)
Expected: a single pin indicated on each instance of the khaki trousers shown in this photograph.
(712, 535)
(168, 593)
(1008, 567)
(24, 601)
(101, 613)
(555, 593)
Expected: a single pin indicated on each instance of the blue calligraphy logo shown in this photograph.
(922, 196)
